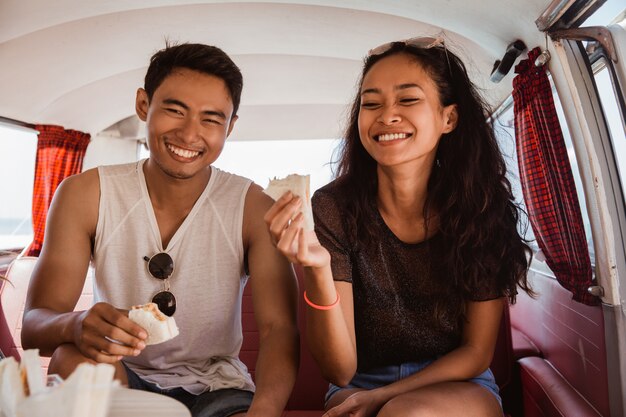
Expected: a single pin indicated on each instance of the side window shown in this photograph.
(18, 150)
(505, 131)
(606, 85)
(576, 172)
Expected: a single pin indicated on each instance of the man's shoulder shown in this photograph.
(82, 182)
(225, 177)
(77, 197)
(118, 169)
(256, 199)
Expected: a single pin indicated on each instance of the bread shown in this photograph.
(298, 185)
(159, 327)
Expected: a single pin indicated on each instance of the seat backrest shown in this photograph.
(12, 300)
(310, 388)
(569, 335)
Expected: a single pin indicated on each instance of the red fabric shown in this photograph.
(548, 394)
(547, 181)
(60, 154)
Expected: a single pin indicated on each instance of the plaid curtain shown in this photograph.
(60, 154)
(547, 181)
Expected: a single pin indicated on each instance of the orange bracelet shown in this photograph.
(319, 307)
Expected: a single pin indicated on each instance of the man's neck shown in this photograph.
(172, 198)
(175, 193)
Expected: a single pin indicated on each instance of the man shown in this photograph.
(176, 231)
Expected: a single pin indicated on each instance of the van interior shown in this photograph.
(71, 69)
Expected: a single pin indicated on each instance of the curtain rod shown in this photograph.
(18, 123)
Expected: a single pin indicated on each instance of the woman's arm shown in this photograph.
(330, 333)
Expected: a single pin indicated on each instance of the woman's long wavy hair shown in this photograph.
(467, 189)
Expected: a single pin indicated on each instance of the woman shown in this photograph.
(415, 246)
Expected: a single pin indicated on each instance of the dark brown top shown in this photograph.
(392, 284)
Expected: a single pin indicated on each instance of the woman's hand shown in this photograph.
(297, 245)
(360, 404)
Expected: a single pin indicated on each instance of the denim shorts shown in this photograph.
(386, 375)
(219, 403)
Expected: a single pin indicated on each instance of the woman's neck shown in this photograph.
(401, 200)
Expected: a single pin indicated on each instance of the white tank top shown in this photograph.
(207, 281)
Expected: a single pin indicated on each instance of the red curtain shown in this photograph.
(547, 181)
(60, 154)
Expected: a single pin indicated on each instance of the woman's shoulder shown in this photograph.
(332, 190)
(331, 197)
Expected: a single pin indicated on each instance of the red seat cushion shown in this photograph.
(548, 394)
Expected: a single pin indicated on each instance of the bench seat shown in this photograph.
(547, 393)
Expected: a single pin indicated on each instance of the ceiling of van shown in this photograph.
(78, 63)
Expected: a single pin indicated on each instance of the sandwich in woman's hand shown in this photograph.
(299, 186)
(159, 327)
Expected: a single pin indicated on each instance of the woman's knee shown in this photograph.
(405, 406)
(443, 399)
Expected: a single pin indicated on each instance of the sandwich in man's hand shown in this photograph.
(299, 186)
(159, 327)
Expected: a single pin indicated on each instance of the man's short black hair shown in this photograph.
(203, 58)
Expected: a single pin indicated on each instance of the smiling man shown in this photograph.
(176, 231)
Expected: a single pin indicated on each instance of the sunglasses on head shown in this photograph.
(422, 42)
(161, 266)
(418, 42)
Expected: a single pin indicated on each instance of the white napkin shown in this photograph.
(86, 392)
(11, 388)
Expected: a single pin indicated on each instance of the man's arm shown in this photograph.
(58, 279)
(274, 295)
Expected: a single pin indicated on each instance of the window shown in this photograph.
(18, 151)
(504, 125)
(262, 160)
(605, 85)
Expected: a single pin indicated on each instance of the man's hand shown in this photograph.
(106, 334)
